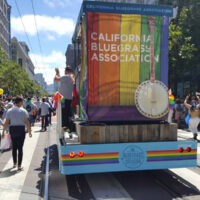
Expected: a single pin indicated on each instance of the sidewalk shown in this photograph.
(26, 184)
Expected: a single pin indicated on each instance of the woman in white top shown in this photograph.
(194, 120)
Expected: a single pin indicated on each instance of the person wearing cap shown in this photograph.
(66, 90)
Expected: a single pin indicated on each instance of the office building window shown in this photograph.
(20, 61)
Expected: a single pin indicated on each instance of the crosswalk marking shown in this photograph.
(11, 181)
(106, 186)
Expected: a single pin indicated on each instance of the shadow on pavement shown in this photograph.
(40, 182)
(9, 172)
(76, 185)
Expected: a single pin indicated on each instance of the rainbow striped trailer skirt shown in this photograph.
(115, 157)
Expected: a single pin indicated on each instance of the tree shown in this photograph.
(14, 80)
(184, 46)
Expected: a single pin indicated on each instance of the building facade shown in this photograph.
(56, 86)
(40, 80)
(52, 88)
(5, 38)
(73, 54)
(20, 55)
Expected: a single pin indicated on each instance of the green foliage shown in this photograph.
(14, 80)
(181, 46)
(184, 45)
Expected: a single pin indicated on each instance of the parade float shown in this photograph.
(123, 93)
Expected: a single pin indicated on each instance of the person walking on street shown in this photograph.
(17, 118)
(37, 104)
(29, 106)
(50, 111)
(44, 114)
(66, 90)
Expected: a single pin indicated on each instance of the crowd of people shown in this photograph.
(18, 114)
(39, 109)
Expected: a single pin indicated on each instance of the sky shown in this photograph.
(55, 21)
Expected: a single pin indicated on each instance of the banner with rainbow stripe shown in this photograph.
(171, 155)
(91, 159)
(116, 59)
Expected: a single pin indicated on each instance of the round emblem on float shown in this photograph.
(133, 157)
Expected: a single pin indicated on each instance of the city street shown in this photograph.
(123, 71)
(142, 185)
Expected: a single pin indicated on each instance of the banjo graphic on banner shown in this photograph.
(151, 97)
(121, 53)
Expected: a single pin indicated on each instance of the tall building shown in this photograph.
(51, 89)
(20, 55)
(73, 54)
(40, 80)
(5, 41)
(56, 86)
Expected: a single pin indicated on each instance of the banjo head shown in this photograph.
(151, 99)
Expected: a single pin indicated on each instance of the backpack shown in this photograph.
(179, 108)
(28, 108)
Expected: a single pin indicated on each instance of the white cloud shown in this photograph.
(51, 37)
(57, 25)
(49, 3)
(47, 64)
(61, 3)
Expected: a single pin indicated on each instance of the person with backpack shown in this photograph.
(179, 108)
(30, 107)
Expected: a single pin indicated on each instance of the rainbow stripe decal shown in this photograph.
(171, 155)
(91, 159)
